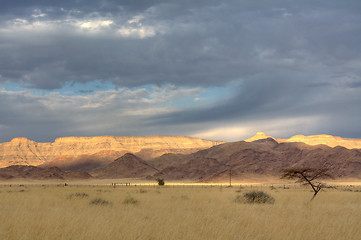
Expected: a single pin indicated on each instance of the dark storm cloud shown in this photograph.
(335, 106)
(203, 44)
(10, 6)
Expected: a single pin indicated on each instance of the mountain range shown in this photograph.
(260, 157)
(27, 152)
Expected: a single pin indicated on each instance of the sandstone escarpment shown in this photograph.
(26, 152)
(329, 140)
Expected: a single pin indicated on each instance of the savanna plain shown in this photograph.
(101, 211)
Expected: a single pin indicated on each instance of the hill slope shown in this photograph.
(127, 166)
(264, 158)
(38, 173)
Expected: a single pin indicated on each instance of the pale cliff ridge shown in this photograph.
(27, 152)
(258, 136)
(329, 140)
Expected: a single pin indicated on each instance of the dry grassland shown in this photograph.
(176, 212)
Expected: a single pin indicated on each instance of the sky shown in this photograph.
(219, 70)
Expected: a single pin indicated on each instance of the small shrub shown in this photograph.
(255, 197)
(130, 200)
(99, 201)
(142, 191)
(78, 195)
(100, 190)
(347, 190)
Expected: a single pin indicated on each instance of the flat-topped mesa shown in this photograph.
(20, 140)
(27, 152)
(329, 140)
(135, 144)
(137, 140)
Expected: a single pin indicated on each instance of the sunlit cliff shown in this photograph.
(27, 152)
(329, 140)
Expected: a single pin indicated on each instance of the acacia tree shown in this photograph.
(308, 176)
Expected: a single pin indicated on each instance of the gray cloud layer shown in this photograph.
(294, 59)
(111, 112)
(186, 45)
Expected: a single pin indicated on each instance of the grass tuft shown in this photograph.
(142, 191)
(184, 197)
(130, 200)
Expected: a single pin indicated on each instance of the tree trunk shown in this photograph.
(314, 195)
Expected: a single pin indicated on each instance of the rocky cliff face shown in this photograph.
(27, 152)
(331, 141)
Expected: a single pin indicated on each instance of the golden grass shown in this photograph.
(176, 212)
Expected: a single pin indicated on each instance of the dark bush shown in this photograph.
(99, 201)
(78, 195)
(255, 197)
(160, 181)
